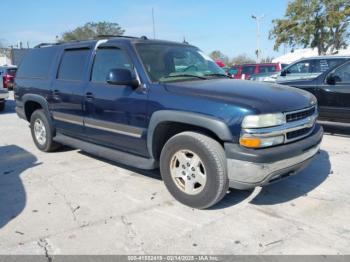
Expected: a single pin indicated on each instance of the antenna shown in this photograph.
(154, 26)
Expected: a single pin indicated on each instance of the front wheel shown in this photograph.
(193, 168)
(2, 106)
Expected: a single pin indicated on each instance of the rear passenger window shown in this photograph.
(37, 63)
(267, 68)
(248, 70)
(73, 64)
(107, 59)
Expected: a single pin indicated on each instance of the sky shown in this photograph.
(224, 25)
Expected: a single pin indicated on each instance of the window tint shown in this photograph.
(37, 63)
(267, 68)
(233, 71)
(302, 67)
(330, 63)
(12, 71)
(107, 59)
(248, 70)
(72, 64)
(342, 74)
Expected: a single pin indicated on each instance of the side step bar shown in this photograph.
(107, 153)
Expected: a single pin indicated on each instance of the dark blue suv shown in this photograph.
(149, 104)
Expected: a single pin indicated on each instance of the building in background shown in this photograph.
(304, 53)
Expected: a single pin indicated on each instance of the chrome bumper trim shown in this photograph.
(255, 174)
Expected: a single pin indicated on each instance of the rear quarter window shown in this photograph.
(37, 63)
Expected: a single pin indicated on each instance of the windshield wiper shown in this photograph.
(186, 75)
(217, 74)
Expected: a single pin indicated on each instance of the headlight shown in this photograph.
(266, 120)
(260, 142)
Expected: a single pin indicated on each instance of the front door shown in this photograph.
(334, 98)
(115, 115)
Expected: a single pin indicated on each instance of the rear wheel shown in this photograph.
(2, 106)
(193, 168)
(42, 132)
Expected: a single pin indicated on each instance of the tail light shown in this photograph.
(6, 80)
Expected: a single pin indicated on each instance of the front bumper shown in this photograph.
(249, 168)
(4, 94)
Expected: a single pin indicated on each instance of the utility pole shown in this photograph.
(154, 25)
(258, 49)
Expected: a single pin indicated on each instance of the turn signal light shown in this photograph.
(252, 142)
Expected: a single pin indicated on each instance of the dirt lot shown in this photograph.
(73, 203)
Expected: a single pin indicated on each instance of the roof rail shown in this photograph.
(123, 36)
(97, 37)
(45, 44)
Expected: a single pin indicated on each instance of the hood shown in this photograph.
(260, 97)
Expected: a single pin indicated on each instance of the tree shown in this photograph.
(242, 59)
(267, 59)
(92, 30)
(321, 24)
(218, 55)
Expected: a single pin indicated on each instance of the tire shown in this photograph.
(46, 144)
(213, 165)
(2, 106)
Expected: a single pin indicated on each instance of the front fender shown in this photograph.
(216, 126)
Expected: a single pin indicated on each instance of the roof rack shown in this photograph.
(122, 36)
(97, 37)
(45, 44)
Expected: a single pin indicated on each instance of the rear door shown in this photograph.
(334, 99)
(115, 114)
(68, 90)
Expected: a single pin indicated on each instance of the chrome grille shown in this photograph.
(298, 133)
(300, 114)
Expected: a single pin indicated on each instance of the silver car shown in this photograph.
(309, 68)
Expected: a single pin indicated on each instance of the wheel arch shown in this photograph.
(32, 102)
(166, 123)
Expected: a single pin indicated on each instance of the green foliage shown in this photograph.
(92, 30)
(321, 24)
(217, 55)
(239, 59)
(242, 59)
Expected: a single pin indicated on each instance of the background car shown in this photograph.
(332, 90)
(7, 75)
(246, 70)
(309, 67)
(4, 94)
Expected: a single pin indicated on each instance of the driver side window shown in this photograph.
(342, 74)
(302, 67)
(107, 59)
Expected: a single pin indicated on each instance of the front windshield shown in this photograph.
(171, 62)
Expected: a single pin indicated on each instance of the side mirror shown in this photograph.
(122, 77)
(332, 79)
(283, 73)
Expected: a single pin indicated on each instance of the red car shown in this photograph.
(7, 75)
(244, 71)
